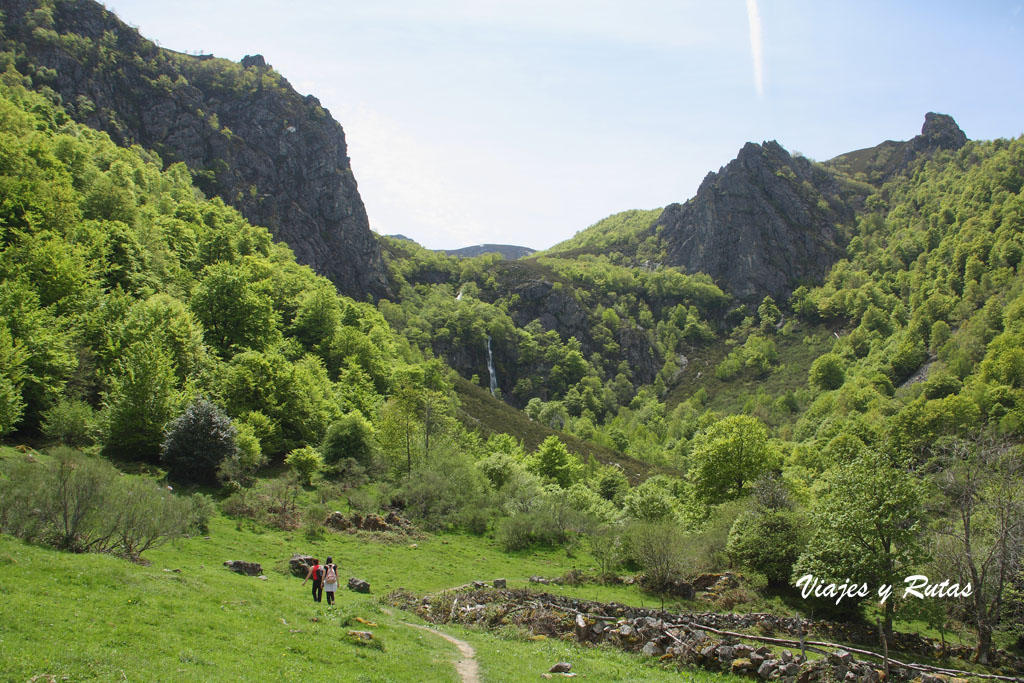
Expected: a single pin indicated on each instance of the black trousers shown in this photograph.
(330, 597)
(318, 590)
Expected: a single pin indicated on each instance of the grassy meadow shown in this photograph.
(184, 616)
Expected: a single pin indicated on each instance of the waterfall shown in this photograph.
(490, 369)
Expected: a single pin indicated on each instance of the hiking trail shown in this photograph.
(466, 667)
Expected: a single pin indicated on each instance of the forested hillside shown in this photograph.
(244, 133)
(850, 406)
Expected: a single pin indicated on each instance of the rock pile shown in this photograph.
(688, 638)
(372, 522)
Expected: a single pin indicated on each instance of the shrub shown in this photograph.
(305, 462)
(437, 492)
(350, 437)
(611, 482)
(553, 461)
(83, 504)
(237, 470)
(657, 548)
(827, 372)
(605, 545)
(70, 421)
(197, 442)
(767, 541)
(313, 521)
(553, 521)
(649, 502)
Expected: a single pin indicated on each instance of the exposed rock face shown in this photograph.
(299, 565)
(880, 163)
(761, 225)
(278, 157)
(358, 585)
(938, 132)
(242, 567)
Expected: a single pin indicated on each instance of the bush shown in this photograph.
(274, 503)
(350, 437)
(71, 422)
(657, 548)
(305, 462)
(767, 541)
(649, 502)
(197, 442)
(827, 372)
(313, 521)
(237, 471)
(438, 492)
(552, 522)
(83, 504)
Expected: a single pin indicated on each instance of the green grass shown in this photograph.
(92, 617)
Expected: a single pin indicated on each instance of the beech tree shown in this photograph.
(867, 526)
(727, 455)
(982, 480)
(142, 398)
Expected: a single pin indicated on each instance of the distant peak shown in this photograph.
(940, 131)
(254, 60)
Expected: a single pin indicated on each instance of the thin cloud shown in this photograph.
(756, 45)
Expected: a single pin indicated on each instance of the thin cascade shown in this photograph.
(490, 369)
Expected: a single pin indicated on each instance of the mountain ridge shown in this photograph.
(246, 134)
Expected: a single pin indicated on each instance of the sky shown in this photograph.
(525, 121)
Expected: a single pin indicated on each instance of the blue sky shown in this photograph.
(472, 121)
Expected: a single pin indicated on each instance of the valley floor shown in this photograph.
(186, 617)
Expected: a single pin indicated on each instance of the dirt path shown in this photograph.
(466, 667)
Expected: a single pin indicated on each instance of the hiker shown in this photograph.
(316, 572)
(330, 579)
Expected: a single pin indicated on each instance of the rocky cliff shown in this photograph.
(764, 223)
(881, 162)
(248, 136)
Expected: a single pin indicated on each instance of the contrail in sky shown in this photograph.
(756, 45)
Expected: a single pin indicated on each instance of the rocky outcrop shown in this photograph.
(358, 585)
(878, 164)
(246, 568)
(246, 134)
(763, 224)
(299, 565)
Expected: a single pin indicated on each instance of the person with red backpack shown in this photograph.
(330, 580)
(316, 572)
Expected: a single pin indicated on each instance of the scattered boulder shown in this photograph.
(361, 635)
(246, 568)
(338, 521)
(371, 522)
(561, 668)
(299, 565)
(766, 669)
(499, 583)
(358, 585)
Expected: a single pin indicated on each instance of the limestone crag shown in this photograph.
(246, 134)
(764, 223)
